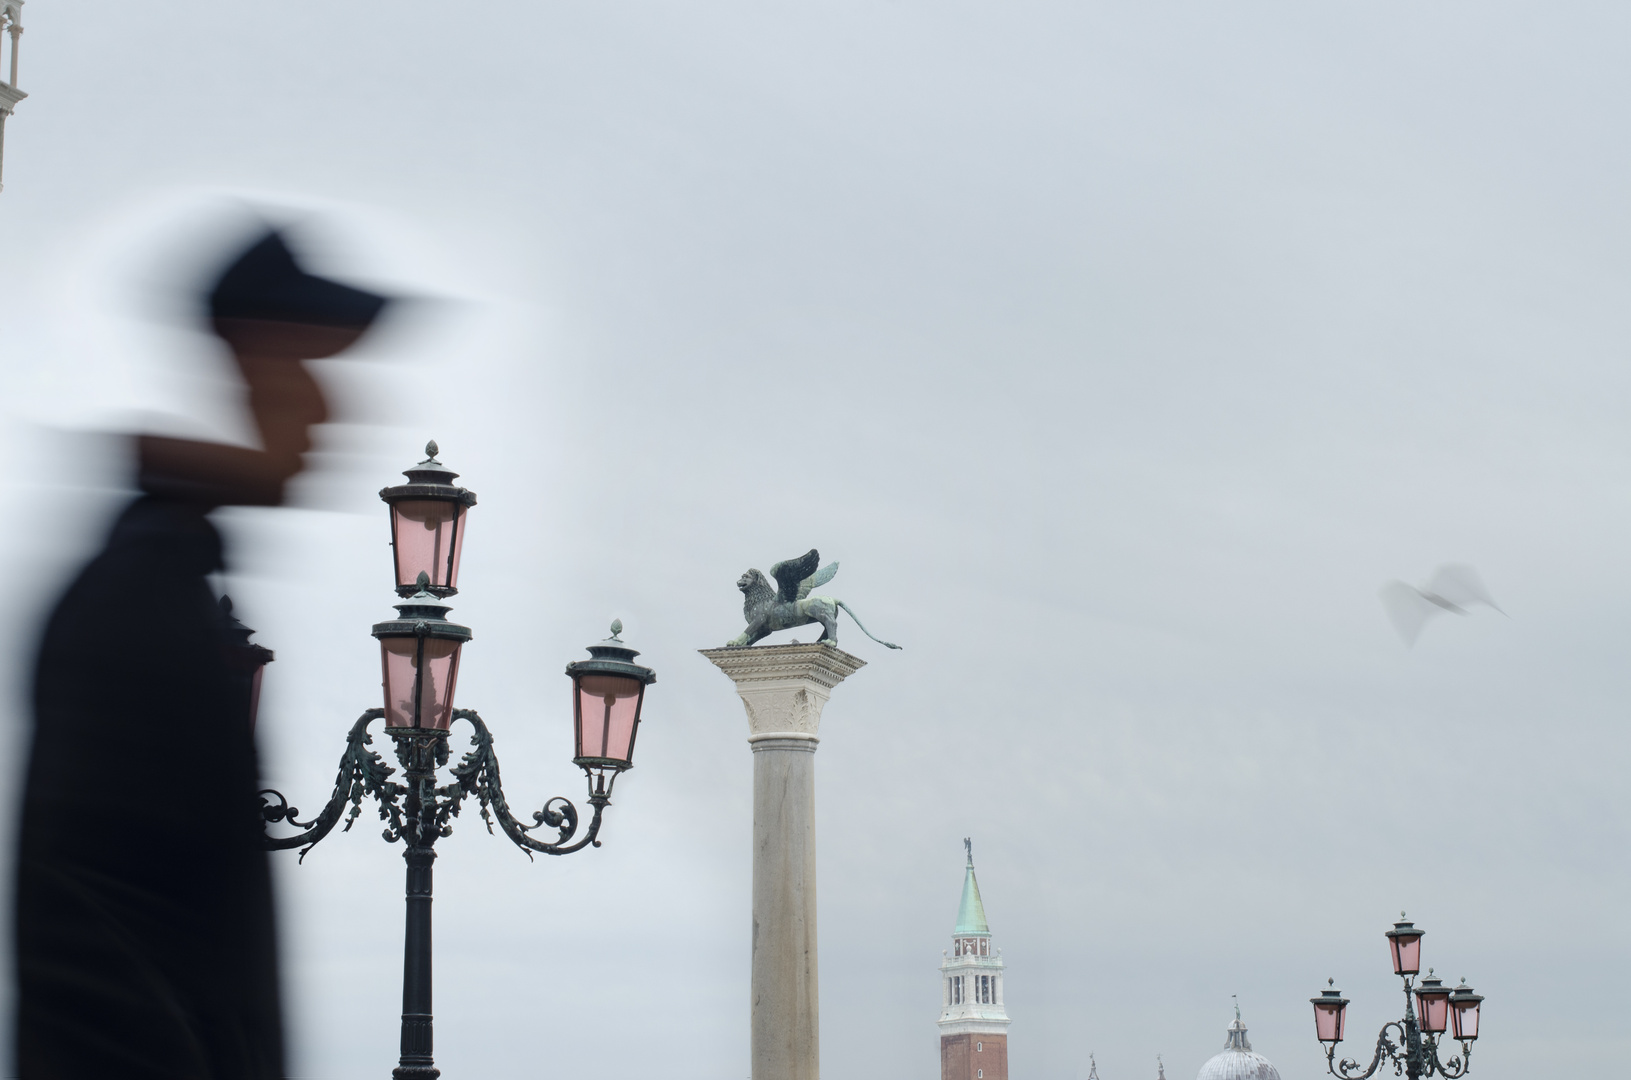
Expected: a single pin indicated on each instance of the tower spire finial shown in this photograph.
(968, 846)
(1237, 1031)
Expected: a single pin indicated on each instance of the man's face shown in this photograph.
(285, 401)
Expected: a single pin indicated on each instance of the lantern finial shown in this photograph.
(423, 582)
(617, 628)
(431, 450)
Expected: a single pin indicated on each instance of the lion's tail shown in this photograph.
(864, 630)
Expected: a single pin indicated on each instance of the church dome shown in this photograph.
(1237, 1062)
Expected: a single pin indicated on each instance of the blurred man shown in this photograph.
(145, 941)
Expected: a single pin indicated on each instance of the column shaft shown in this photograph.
(786, 1042)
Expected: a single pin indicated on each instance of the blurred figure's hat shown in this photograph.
(265, 282)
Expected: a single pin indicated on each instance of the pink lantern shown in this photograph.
(1404, 940)
(427, 526)
(419, 654)
(1330, 1013)
(607, 694)
(1433, 1005)
(1464, 1012)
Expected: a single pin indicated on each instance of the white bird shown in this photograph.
(1453, 587)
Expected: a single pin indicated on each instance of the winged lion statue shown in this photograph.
(790, 604)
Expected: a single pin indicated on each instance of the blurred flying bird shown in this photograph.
(1453, 587)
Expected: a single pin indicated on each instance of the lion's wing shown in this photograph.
(817, 579)
(790, 573)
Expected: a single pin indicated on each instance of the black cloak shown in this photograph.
(145, 942)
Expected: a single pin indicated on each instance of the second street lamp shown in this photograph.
(1436, 1007)
(419, 657)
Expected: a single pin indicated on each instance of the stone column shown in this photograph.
(783, 688)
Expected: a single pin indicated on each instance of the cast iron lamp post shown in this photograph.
(419, 654)
(1437, 1008)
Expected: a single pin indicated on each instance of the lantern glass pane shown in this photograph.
(607, 709)
(1465, 1018)
(1433, 1009)
(1406, 954)
(429, 535)
(1328, 1022)
(400, 656)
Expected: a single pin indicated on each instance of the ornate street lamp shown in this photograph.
(1436, 1008)
(419, 654)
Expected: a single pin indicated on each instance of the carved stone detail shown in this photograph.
(784, 687)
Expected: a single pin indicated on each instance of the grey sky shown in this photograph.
(1119, 352)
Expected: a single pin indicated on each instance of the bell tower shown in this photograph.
(973, 1021)
(11, 22)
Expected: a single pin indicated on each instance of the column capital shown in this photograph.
(783, 687)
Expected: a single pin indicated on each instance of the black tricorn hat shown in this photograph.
(265, 282)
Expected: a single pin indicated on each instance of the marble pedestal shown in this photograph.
(783, 689)
(9, 97)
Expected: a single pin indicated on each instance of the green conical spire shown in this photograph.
(971, 912)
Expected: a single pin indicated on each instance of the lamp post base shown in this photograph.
(416, 1072)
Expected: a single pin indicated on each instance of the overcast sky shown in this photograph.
(1119, 351)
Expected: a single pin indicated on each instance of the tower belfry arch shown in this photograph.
(11, 23)
(973, 1019)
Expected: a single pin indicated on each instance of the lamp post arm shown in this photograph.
(1384, 1048)
(477, 774)
(362, 772)
(1455, 1068)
